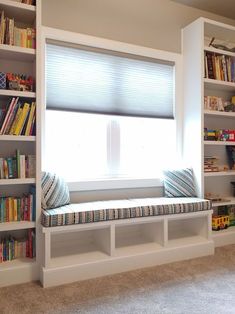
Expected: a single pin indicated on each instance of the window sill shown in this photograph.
(111, 184)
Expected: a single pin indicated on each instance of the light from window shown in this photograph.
(81, 146)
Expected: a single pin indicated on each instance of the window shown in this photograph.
(109, 115)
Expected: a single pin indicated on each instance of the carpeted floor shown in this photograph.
(202, 285)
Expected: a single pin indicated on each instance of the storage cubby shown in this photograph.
(79, 247)
(139, 237)
(187, 231)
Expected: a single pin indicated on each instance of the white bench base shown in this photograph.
(84, 251)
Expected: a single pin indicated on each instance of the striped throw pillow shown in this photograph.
(179, 183)
(55, 192)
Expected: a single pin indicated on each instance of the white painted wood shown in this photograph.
(224, 237)
(17, 138)
(230, 201)
(195, 43)
(219, 51)
(18, 271)
(90, 250)
(15, 93)
(211, 83)
(7, 226)
(220, 114)
(21, 60)
(193, 122)
(219, 143)
(17, 53)
(220, 173)
(145, 258)
(16, 181)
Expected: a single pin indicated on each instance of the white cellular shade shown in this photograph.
(101, 82)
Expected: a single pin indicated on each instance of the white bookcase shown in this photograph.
(25, 61)
(196, 37)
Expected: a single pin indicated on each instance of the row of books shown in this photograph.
(17, 208)
(18, 118)
(18, 166)
(219, 67)
(10, 34)
(12, 248)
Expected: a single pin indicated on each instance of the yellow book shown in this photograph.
(15, 120)
(11, 209)
(22, 119)
(30, 119)
(15, 209)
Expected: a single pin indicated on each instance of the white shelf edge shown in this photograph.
(18, 49)
(18, 5)
(12, 93)
(224, 232)
(231, 201)
(219, 51)
(18, 138)
(17, 181)
(221, 143)
(219, 173)
(17, 225)
(18, 264)
(219, 83)
(220, 113)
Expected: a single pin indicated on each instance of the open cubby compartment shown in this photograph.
(139, 236)
(220, 186)
(224, 36)
(80, 246)
(188, 230)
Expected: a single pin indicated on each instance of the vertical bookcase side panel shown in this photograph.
(193, 66)
(39, 79)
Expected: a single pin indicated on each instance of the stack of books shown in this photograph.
(18, 166)
(18, 118)
(219, 67)
(17, 208)
(12, 35)
(11, 248)
(211, 164)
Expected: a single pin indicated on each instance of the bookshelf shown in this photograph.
(201, 81)
(24, 61)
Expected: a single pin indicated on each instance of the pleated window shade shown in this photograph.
(98, 81)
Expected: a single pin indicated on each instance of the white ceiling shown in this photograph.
(220, 7)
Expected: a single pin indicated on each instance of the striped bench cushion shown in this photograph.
(121, 209)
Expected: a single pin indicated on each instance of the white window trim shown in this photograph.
(81, 39)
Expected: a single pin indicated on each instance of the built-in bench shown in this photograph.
(99, 238)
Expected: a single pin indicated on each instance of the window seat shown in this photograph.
(121, 209)
(94, 239)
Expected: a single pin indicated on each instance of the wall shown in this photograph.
(151, 23)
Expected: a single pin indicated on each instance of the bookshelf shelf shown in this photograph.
(17, 138)
(17, 263)
(17, 181)
(219, 85)
(219, 143)
(16, 93)
(228, 201)
(224, 237)
(219, 51)
(220, 173)
(220, 113)
(18, 225)
(17, 53)
(24, 12)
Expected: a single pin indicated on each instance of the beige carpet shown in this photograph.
(203, 285)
